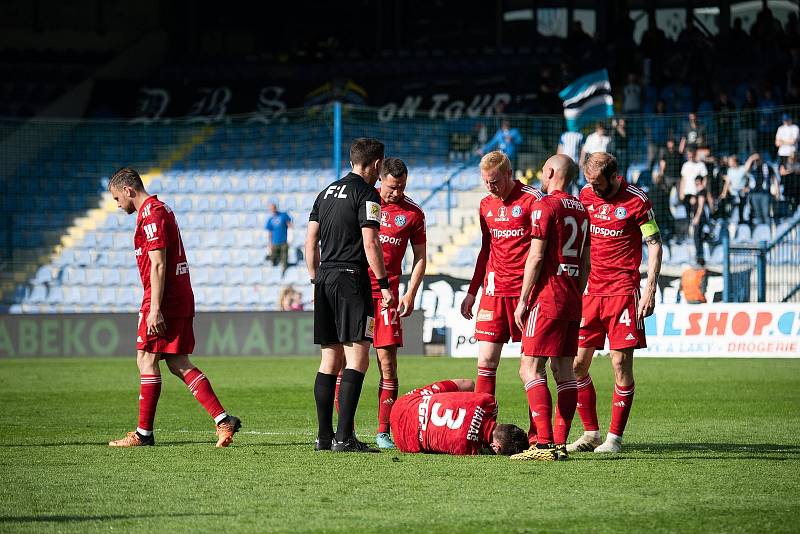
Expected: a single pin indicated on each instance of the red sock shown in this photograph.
(621, 404)
(149, 391)
(387, 394)
(200, 387)
(486, 380)
(336, 393)
(566, 399)
(587, 404)
(531, 429)
(541, 405)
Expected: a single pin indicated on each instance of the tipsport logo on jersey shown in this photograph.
(729, 330)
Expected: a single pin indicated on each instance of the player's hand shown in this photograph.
(406, 305)
(387, 300)
(520, 314)
(646, 306)
(466, 306)
(155, 323)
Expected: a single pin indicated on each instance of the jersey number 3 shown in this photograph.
(446, 419)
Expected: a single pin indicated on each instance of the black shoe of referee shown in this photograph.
(351, 445)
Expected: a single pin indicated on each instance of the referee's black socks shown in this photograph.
(324, 393)
(349, 393)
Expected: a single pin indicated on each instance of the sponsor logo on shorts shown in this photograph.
(400, 220)
(516, 211)
(484, 332)
(139, 339)
(485, 315)
(369, 330)
(182, 268)
(373, 211)
(605, 232)
(510, 232)
(630, 337)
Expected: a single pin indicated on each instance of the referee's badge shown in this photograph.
(400, 220)
(373, 211)
(369, 331)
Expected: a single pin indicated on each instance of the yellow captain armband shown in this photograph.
(649, 228)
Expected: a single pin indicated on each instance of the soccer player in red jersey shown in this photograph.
(620, 216)
(555, 275)
(449, 418)
(165, 318)
(505, 218)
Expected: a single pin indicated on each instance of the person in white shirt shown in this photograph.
(691, 169)
(739, 183)
(570, 145)
(786, 137)
(632, 95)
(596, 141)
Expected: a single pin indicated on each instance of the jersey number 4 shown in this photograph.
(446, 419)
(567, 250)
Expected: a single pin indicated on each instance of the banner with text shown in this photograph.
(681, 330)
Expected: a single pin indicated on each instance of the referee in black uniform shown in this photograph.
(345, 219)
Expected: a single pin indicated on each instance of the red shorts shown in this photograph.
(545, 336)
(388, 328)
(178, 339)
(495, 319)
(613, 316)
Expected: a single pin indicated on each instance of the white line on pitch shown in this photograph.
(251, 432)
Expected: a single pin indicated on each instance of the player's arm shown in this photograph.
(406, 305)
(158, 274)
(533, 267)
(312, 249)
(374, 252)
(652, 238)
(586, 266)
(480, 271)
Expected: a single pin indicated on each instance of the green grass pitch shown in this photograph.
(712, 445)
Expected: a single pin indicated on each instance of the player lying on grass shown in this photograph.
(448, 417)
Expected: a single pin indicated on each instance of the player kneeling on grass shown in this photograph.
(555, 275)
(448, 417)
(165, 319)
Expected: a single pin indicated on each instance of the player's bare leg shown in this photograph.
(566, 401)
(586, 404)
(387, 394)
(622, 400)
(149, 391)
(488, 360)
(356, 356)
(226, 425)
(325, 388)
(533, 373)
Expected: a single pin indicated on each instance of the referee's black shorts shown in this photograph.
(343, 307)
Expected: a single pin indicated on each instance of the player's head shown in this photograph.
(394, 175)
(496, 173)
(600, 171)
(125, 185)
(366, 156)
(557, 173)
(509, 439)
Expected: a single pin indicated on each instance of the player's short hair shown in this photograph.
(511, 438)
(126, 177)
(496, 160)
(602, 162)
(365, 150)
(394, 166)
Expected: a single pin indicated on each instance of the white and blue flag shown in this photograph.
(587, 98)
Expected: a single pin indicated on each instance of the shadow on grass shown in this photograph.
(77, 518)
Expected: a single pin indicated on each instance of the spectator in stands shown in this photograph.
(687, 188)
(570, 144)
(697, 212)
(786, 138)
(290, 299)
(632, 95)
(277, 227)
(768, 116)
(763, 189)
(739, 184)
(717, 187)
(790, 179)
(659, 194)
(694, 135)
(596, 141)
(724, 114)
(505, 140)
(694, 282)
(748, 122)
(619, 145)
(657, 133)
(670, 165)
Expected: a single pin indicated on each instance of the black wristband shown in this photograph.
(312, 281)
(383, 283)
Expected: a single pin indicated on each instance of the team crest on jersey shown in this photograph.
(400, 220)
(603, 214)
(620, 213)
(516, 211)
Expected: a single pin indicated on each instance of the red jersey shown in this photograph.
(449, 422)
(614, 227)
(401, 222)
(156, 228)
(561, 220)
(506, 229)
